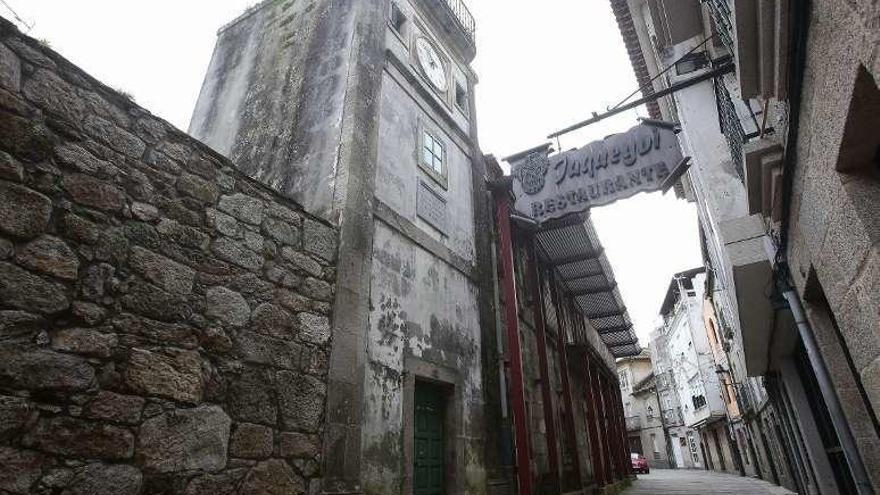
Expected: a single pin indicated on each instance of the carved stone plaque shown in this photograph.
(431, 207)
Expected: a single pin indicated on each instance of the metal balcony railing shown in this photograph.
(672, 417)
(463, 16)
(721, 18)
(633, 423)
(731, 125)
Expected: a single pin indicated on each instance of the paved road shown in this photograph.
(700, 482)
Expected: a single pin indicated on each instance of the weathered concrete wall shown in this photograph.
(274, 95)
(163, 318)
(423, 309)
(835, 224)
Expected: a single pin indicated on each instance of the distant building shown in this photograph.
(645, 425)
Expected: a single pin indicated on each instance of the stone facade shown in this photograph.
(164, 319)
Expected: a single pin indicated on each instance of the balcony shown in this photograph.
(756, 33)
(633, 423)
(672, 417)
(721, 18)
(456, 19)
(731, 121)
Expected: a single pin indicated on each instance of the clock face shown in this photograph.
(431, 63)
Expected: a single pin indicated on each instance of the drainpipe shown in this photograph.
(847, 441)
(499, 340)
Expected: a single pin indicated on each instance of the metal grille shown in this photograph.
(721, 13)
(463, 16)
(730, 125)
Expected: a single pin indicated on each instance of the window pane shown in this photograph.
(429, 140)
(438, 148)
(438, 165)
(427, 157)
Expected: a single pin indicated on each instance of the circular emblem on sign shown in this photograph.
(532, 171)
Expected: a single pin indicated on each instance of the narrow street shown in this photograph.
(700, 482)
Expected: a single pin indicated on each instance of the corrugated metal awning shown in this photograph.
(572, 247)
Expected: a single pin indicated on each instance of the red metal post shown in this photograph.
(514, 350)
(563, 324)
(600, 426)
(593, 423)
(541, 337)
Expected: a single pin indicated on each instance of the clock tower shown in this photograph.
(362, 112)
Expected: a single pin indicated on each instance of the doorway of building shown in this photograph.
(429, 470)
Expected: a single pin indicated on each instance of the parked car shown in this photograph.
(639, 463)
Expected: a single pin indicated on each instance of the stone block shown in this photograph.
(23, 212)
(236, 253)
(10, 70)
(253, 240)
(299, 445)
(198, 188)
(22, 289)
(79, 159)
(273, 321)
(164, 272)
(227, 306)
(15, 412)
(54, 95)
(44, 369)
(251, 441)
(89, 313)
(282, 231)
(319, 239)
(27, 140)
(284, 213)
(81, 230)
(50, 255)
(7, 249)
(150, 301)
(225, 483)
(251, 397)
(291, 300)
(156, 332)
(182, 234)
(19, 469)
(243, 207)
(301, 261)
(105, 479)
(175, 374)
(184, 439)
(272, 477)
(318, 289)
(118, 408)
(144, 211)
(73, 437)
(260, 349)
(114, 136)
(300, 401)
(10, 169)
(89, 191)
(313, 328)
(85, 341)
(225, 224)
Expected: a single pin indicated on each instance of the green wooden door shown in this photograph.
(428, 465)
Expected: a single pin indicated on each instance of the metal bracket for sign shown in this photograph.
(724, 69)
(676, 174)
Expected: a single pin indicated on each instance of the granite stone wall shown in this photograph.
(164, 320)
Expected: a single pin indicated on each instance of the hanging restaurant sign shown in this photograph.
(599, 173)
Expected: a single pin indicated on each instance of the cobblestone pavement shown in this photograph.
(700, 482)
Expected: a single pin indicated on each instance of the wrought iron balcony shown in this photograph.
(732, 125)
(463, 16)
(721, 18)
(672, 417)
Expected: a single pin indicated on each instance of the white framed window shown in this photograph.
(461, 97)
(397, 19)
(432, 155)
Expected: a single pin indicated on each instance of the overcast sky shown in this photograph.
(542, 66)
